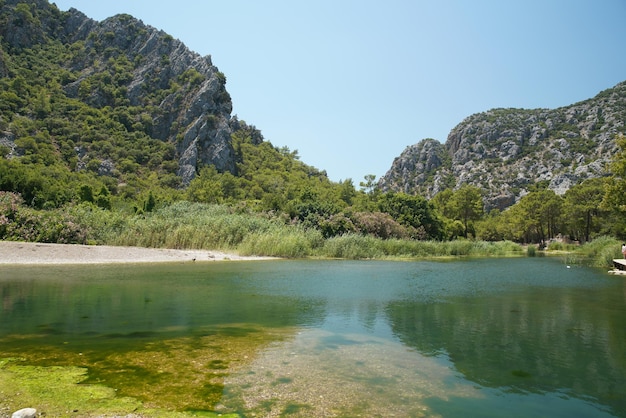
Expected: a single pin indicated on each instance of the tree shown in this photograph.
(582, 203)
(535, 217)
(412, 211)
(466, 205)
(150, 203)
(614, 197)
(206, 187)
(86, 193)
(347, 191)
(369, 185)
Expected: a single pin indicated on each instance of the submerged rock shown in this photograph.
(25, 413)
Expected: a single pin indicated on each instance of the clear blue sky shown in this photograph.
(351, 83)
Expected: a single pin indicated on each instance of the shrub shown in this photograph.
(379, 224)
(335, 225)
(21, 223)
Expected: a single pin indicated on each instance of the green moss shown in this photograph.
(57, 390)
(171, 378)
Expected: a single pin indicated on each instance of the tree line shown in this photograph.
(94, 150)
(273, 181)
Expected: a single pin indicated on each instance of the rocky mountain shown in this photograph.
(178, 96)
(506, 151)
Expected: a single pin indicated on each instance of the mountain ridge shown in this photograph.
(119, 62)
(506, 152)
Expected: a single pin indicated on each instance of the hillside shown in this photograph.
(115, 133)
(505, 152)
(116, 97)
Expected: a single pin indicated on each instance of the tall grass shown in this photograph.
(598, 253)
(192, 225)
(185, 225)
(354, 246)
(180, 225)
(290, 242)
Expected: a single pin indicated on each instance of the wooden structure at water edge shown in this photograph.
(619, 266)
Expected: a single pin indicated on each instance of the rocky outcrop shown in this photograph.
(25, 413)
(506, 151)
(183, 92)
(194, 117)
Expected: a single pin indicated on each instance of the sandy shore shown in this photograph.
(38, 253)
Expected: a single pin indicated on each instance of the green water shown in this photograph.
(490, 337)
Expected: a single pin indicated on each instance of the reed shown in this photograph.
(282, 241)
(186, 225)
(352, 246)
(355, 246)
(180, 225)
(597, 253)
(601, 251)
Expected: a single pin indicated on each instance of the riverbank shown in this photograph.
(41, 253)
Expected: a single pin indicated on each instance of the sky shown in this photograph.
(350, 84)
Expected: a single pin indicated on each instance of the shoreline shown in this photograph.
(32, 253)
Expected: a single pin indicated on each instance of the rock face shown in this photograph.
(25, 413)
(505, 151)
(189, 106)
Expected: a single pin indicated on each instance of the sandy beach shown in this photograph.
(40, 253)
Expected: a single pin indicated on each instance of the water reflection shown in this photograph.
(118, 301)
(322, 338)
(544, 339)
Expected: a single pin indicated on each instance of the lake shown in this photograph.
(513, 337)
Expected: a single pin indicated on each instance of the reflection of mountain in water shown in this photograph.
(544, 341)
(141, 301)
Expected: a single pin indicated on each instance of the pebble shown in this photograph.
(25, 413)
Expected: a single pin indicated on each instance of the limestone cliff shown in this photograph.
(505, 151)
(183, 93)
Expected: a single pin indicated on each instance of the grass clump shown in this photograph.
(600, 252)
(281, 241)
(352, 246)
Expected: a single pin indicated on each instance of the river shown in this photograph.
(513, 337)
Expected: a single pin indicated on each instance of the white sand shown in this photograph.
(38, 253)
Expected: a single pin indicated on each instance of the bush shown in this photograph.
(379, 224)
(21, 223)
